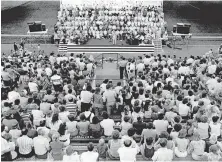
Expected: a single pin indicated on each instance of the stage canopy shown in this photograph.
(113, 3)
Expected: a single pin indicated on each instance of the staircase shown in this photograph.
(158, 48)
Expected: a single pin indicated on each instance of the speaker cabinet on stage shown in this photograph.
(183, 28)
(43, 27)
(36, 26)
(174, 29)
(135, 42)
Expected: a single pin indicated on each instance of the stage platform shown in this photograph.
(72, 48)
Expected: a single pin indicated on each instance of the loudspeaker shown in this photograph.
(38, 27)
(43, 27)
(183, 28)
(174, 29)
(35, 26)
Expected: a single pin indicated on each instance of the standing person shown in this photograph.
(122, 67)
(90, 155)
(56, 81)
(86, 98)
(114, 36)
(97, 102)
(110, 99)
(15, 47)
(22, 44)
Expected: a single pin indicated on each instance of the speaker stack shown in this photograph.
(181, 28)
(36, 26)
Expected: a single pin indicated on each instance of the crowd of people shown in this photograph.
(169, 107)
(78, 24)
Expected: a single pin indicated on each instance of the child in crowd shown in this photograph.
(71, 155)
(102, 148)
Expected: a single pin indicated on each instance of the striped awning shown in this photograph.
(106, 49)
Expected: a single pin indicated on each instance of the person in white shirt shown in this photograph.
(13, 95)
(127, 153)
(161, 124)
(184, 110)
(81, 65)
(71, 155)
(103, 85)
(110, 98)
(5, 147)
(212, 68)
(184, 70)
(118, 88)
(48, 71)
(211, 83)
(56, 81)
(86, 98)
(37, 117)
(140, 67)
(90, 155)
(163, 154)
(41, 145)
(146, 60)
(33, 87)
(107, 124)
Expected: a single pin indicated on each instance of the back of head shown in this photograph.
(163, 142)
(127, 143)
(131, 132)
(105, 115)
(90, 146)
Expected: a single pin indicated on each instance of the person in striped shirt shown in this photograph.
(71, 106)
(25, 145)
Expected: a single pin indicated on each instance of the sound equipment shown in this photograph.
(36, 26)
(43, 27)
(174, 29)
(135, 42)
(181, 28)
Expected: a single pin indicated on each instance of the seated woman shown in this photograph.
(212, 141)
(56, 147)
(196, 147)
(95, 129)
(181, 144)
(147, 149)
(64, 136)
(203, 127)
(175, 132)
(113, 145)
(55, 122)
(72, 126)
(125, 125)
(137, 112)
(214, 154)
(83, 125)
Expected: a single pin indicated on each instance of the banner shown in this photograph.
(111, 3)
